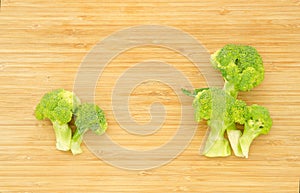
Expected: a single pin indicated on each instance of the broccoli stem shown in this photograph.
(193, 93)
(246, 139)
(216, 145)
(220, 148)
(234, 136)
(230, 89)
(63, 135)
(76, 142)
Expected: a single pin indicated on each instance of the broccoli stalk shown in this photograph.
(216, 144)
(58, 106)
(76, 142)
(234, 135)
(241, 67)
(258, 121)
(63, 134)
(230, 88)
(88, 116)
(238, 114)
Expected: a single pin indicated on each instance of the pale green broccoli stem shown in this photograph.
(230, 89)
(234, 136)
(216, 145)
(63, 135)
(220, 148)
(246, 139)
(76, 142)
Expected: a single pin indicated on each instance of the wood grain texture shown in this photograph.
(42, 44)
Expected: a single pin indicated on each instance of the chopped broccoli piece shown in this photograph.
(63, 135)
(215, 106)
(241, 67)
(258, 121)
(59, 106)
(88, 116)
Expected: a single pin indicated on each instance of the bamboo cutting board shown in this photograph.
(44, 42)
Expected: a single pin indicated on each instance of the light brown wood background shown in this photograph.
(42, 44)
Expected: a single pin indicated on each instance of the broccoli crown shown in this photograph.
(258, 120)
(57, 105)
(240, 65)
(90, 116)
(214, 103)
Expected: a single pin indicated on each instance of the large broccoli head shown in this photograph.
(240, 65)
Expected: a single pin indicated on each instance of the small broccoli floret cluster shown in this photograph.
(60, 106)
(242, 69)
(88, 116)
(258, 121)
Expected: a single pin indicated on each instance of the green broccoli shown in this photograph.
(223, 112)
(238, 114)
(59, 106)
(88, 116)
(258, 121)
(215, 106)
(241, 67)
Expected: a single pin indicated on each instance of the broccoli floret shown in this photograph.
(59, 106)
(241, 67)
(88, 116)
(222, 112)
(215, 106)
(258, 121)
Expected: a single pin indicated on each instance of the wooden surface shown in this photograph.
(42, 44)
